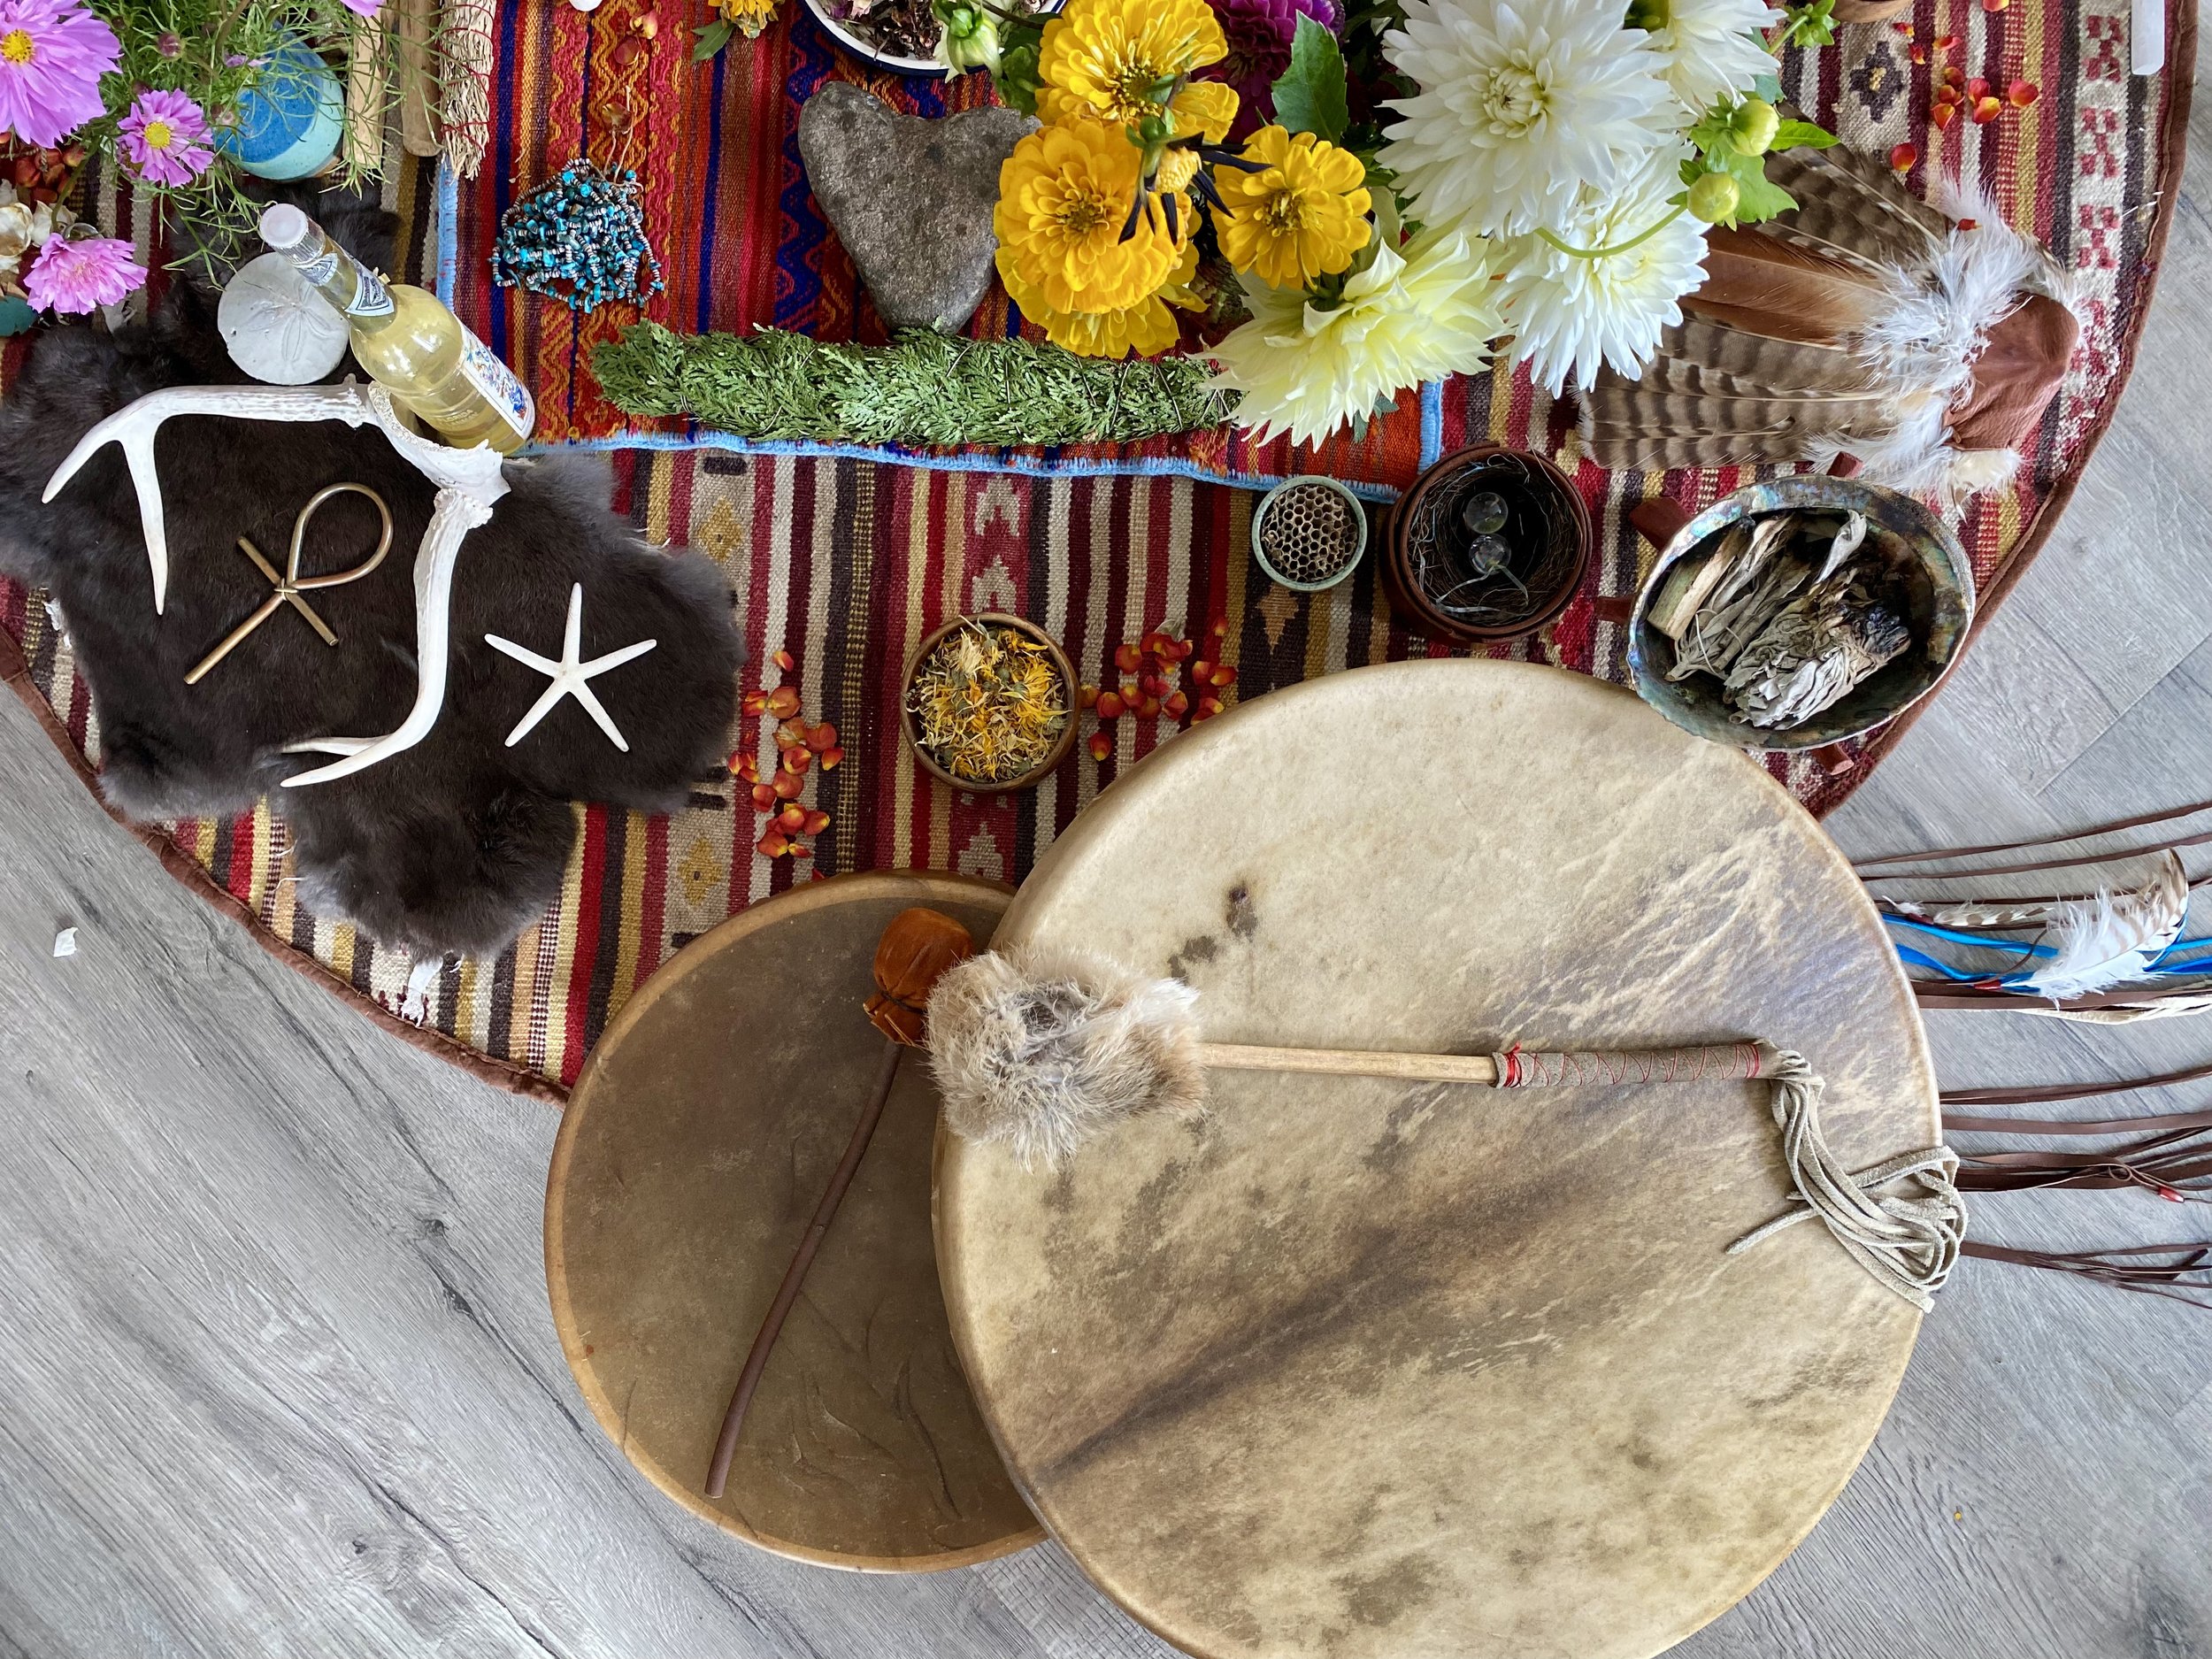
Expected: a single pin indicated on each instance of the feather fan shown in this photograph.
(1849, 327)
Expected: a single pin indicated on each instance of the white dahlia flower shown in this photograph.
(1417, 313)
(1570, 313)
(1522, 104)
(1713, 49)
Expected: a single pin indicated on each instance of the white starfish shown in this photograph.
(569, 675)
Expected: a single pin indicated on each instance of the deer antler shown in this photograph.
(134, 428)
(468, 483)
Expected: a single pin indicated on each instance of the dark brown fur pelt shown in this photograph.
(457, 844)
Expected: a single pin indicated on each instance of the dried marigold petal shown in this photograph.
(816, 821)
(1149, 708)
(1903, 157)
(1177, 705)
(772, 844)
(784, 661)
(1987, 110)
(1976, 89)
(1152, 685)
(1995, 5)
(783, 702)
(1224, 675)
(1943, 115)
(2020, 94)
(1970, 224)
(1127, 657)
(1130, 693)
(798, 759)
(787, 785)
(830, 758)
(822, 737)
(763, 798)
(1221, 627)
(1087, 698)
(800, 849)
(793, 817)
(791, 735)
(1100, 745)
(1945, 42)
(1920, 54)
(1208, 705)
(753, 701)
(1110, 705)
(1954, 76)
(1904, 29)
(1156, 643)
(742, 764)
(1202, 672)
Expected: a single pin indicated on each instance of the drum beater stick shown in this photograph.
(917, 946)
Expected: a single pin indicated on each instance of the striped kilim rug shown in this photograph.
(846, 563)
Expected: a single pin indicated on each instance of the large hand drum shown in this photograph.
(1355, 1367)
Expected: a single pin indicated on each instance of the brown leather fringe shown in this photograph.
(2184, 1275)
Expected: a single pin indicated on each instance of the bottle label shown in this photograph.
(497, 384)
(371, 297)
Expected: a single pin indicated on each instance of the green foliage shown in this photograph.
(1810, 24)
(1716, 138)
(713, 38)
(1801, 134)
(1310, 96)
(922, 389)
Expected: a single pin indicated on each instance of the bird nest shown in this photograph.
(1497, 570)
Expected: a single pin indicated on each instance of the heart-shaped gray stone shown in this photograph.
(911, 198)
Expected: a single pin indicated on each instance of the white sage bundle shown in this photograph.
(1813, 651)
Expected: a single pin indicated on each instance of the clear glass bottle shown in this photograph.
(410, 343)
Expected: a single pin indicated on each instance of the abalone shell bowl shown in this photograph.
(1939, 603)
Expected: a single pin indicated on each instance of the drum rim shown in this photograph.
(1092, 823)
(917, 886)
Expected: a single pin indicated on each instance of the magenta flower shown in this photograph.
(75, 277)
(52, 54)
(1259, 33)
(164, 137)
(365, 8)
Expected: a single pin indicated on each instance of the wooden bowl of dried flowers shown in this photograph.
(989, 704)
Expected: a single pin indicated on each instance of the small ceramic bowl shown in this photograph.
(1288, 491)
(1940, 601)
(1036, 774)
(844, 34)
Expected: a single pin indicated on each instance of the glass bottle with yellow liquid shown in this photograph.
(410, 343)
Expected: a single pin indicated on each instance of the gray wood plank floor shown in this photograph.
(277, 1375)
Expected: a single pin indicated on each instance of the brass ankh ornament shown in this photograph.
(291, 584)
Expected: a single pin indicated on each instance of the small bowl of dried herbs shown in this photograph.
(900, 35)
(990, 703)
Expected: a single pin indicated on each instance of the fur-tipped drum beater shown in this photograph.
(1360, 1368)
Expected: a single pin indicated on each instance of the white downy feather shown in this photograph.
(1924, 341)
(2110, 940)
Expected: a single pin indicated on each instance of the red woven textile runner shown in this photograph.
(847, 563)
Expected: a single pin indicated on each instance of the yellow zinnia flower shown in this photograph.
(1064, 197)
(1208, 108)
(1304, 216)
(750, 16)
(1113, 59)
(1145, 328)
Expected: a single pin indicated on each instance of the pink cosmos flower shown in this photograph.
(52, 54)
(1259, 33)
(75, 277)
(365, 8)
(164, 137)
